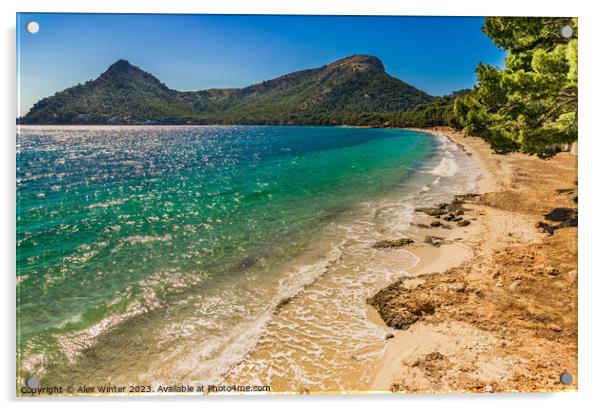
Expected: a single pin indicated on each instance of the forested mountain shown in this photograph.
(125, 94)
(530, 105)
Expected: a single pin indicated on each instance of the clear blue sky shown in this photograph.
(193, 52)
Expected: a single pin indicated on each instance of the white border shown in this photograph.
(590, 151)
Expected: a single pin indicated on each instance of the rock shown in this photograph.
(459, 212)
(435, 224)
(423, 226)
(434, 240)
(450, 217)
(446, 226)
(464, 222)
(457, 219)
(396, 243)
(554, 327)
(389, 335)
(567, 218)
(561, 214)
(431, 211)
(569, 223)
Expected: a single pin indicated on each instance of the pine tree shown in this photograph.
(531, 105)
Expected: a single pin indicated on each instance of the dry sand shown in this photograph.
(495, 307)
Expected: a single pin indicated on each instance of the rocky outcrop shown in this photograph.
(566, 218)
(434, 240)
(395, 243)
(400, 306)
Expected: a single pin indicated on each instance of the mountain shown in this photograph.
(125, 94)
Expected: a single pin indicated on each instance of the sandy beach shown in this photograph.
(493, 308)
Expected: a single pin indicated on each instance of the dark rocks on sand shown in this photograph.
(465, 222)
(436, 224)
(434, 240)
(396, 243)
(431, 211)
(567, 218)
(561, 214)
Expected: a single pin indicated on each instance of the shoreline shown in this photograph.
(464, 342)
(432, 259)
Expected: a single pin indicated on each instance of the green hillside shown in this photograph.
(125, 94)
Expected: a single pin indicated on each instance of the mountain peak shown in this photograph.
(122, 66)
(360, 62)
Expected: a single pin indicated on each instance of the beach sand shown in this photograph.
(494, 308)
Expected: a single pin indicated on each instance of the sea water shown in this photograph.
(213, 254)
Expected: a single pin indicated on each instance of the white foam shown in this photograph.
(448, 167)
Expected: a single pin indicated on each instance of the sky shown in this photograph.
(194, 52)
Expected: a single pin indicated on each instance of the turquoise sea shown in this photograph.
(160, 253)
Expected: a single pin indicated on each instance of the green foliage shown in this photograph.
(355, 89)
(531, 105)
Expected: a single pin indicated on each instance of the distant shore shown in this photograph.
(494, 306)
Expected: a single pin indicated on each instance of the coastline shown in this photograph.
(470, 337)
(483, 287)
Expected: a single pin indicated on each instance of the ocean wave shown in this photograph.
(448, 167)
(216, 357)
(73, 343)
